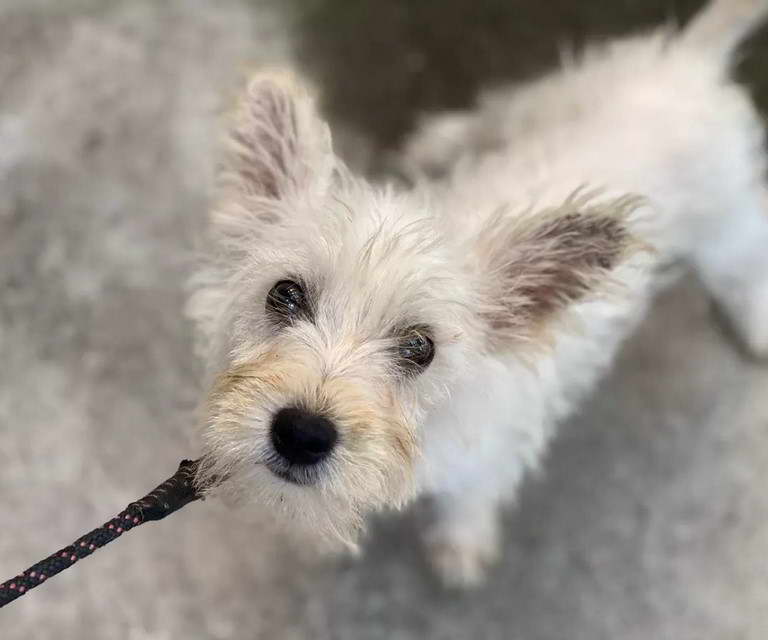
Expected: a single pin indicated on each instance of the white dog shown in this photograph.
(368, 345)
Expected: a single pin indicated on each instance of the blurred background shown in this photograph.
(651, 520)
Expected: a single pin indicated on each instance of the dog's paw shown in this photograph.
(462, 564)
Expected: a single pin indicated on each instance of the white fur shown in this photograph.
(655, 116)
(643, 115)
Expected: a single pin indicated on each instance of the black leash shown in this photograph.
(176, 492)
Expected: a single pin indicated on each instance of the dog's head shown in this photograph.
(337, 313)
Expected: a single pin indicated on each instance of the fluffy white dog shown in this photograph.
(368, 344)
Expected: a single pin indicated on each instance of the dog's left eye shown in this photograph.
(416, 349)
(287, 299)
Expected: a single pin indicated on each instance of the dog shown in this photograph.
(367, 344)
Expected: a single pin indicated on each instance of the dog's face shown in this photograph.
(338, 314)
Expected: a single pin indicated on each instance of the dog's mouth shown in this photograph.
(299, 474)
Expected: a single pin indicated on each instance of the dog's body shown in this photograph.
(429, 342)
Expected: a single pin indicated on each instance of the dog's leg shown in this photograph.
(464, 539)
(732, 261)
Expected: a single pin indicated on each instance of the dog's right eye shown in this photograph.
(287, 299)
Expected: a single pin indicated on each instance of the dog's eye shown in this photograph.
(416, 348)
(287, 298)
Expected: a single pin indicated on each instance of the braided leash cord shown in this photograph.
(175, 493)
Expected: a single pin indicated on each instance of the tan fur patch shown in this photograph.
(371, 466)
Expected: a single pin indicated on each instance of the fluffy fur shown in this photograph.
(529, 246)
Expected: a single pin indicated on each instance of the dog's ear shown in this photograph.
(534, 265)
(278, 145)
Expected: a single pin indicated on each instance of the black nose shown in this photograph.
(302, 437)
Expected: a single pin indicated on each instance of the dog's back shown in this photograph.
(626, 89)
(655, 115)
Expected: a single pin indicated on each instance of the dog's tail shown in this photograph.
(722, 25)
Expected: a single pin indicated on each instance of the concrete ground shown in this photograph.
(651, 521)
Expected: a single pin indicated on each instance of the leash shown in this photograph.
(173, 494)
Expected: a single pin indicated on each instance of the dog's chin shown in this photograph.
(325, 503)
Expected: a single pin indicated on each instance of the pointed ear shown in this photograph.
(536, 265)
(278, 144)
